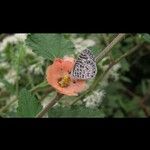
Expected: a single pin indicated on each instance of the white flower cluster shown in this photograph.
(113, 72)
(21, 36)
(12, 39)
(30, 52)
(95, 99)
(2, 85)
(15, 105)
(4, 65)
(81, 44)
(36, 69)
(11, 76)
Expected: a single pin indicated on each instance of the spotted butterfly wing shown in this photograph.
(85, 66)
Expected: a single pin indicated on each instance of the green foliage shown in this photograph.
(50, 46)
(146, 37)
(28, 105)
(20, 55)
(79, 112)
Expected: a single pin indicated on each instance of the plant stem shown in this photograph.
(39, 86)
(3, 109)
(128, 53)
(107, 43)
(122, 57)
(49, 105)
(102, 54)
(46, 92)
(17, 81)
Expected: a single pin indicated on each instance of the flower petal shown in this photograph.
(57, 70)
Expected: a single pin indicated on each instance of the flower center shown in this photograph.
(65, 81)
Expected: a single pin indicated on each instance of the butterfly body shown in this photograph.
(85, 66)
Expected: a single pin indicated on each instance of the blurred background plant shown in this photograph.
(124, 91)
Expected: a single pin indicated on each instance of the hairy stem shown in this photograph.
(49, 105)
(129, 52)
(107, 43)
(102, 54)
(3, 109)
(122, 57)
(39, 86)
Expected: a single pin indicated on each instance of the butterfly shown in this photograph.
(85, 66)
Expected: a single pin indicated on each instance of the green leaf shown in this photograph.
(40, 86)
(75, 112)
(28, 105)
(21, 52)
(50, 46)
(18, 56)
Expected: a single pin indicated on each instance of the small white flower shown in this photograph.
(94, 100)
(21, 36)
(12, 39)
(40, 60)
(13, 97)
(30, 52)
(7, 40)
(11, 76)
(81, 44)
(36, 69)
(15, 105)
(2, 85)
(31, 68)
(113, 72)
(4, 65)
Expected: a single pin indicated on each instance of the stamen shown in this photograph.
(65, 81)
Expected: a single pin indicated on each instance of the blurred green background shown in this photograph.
(125, 94)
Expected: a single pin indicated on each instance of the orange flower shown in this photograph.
(58, 76)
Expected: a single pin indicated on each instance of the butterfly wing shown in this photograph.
(86, 54)
(85, 66)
